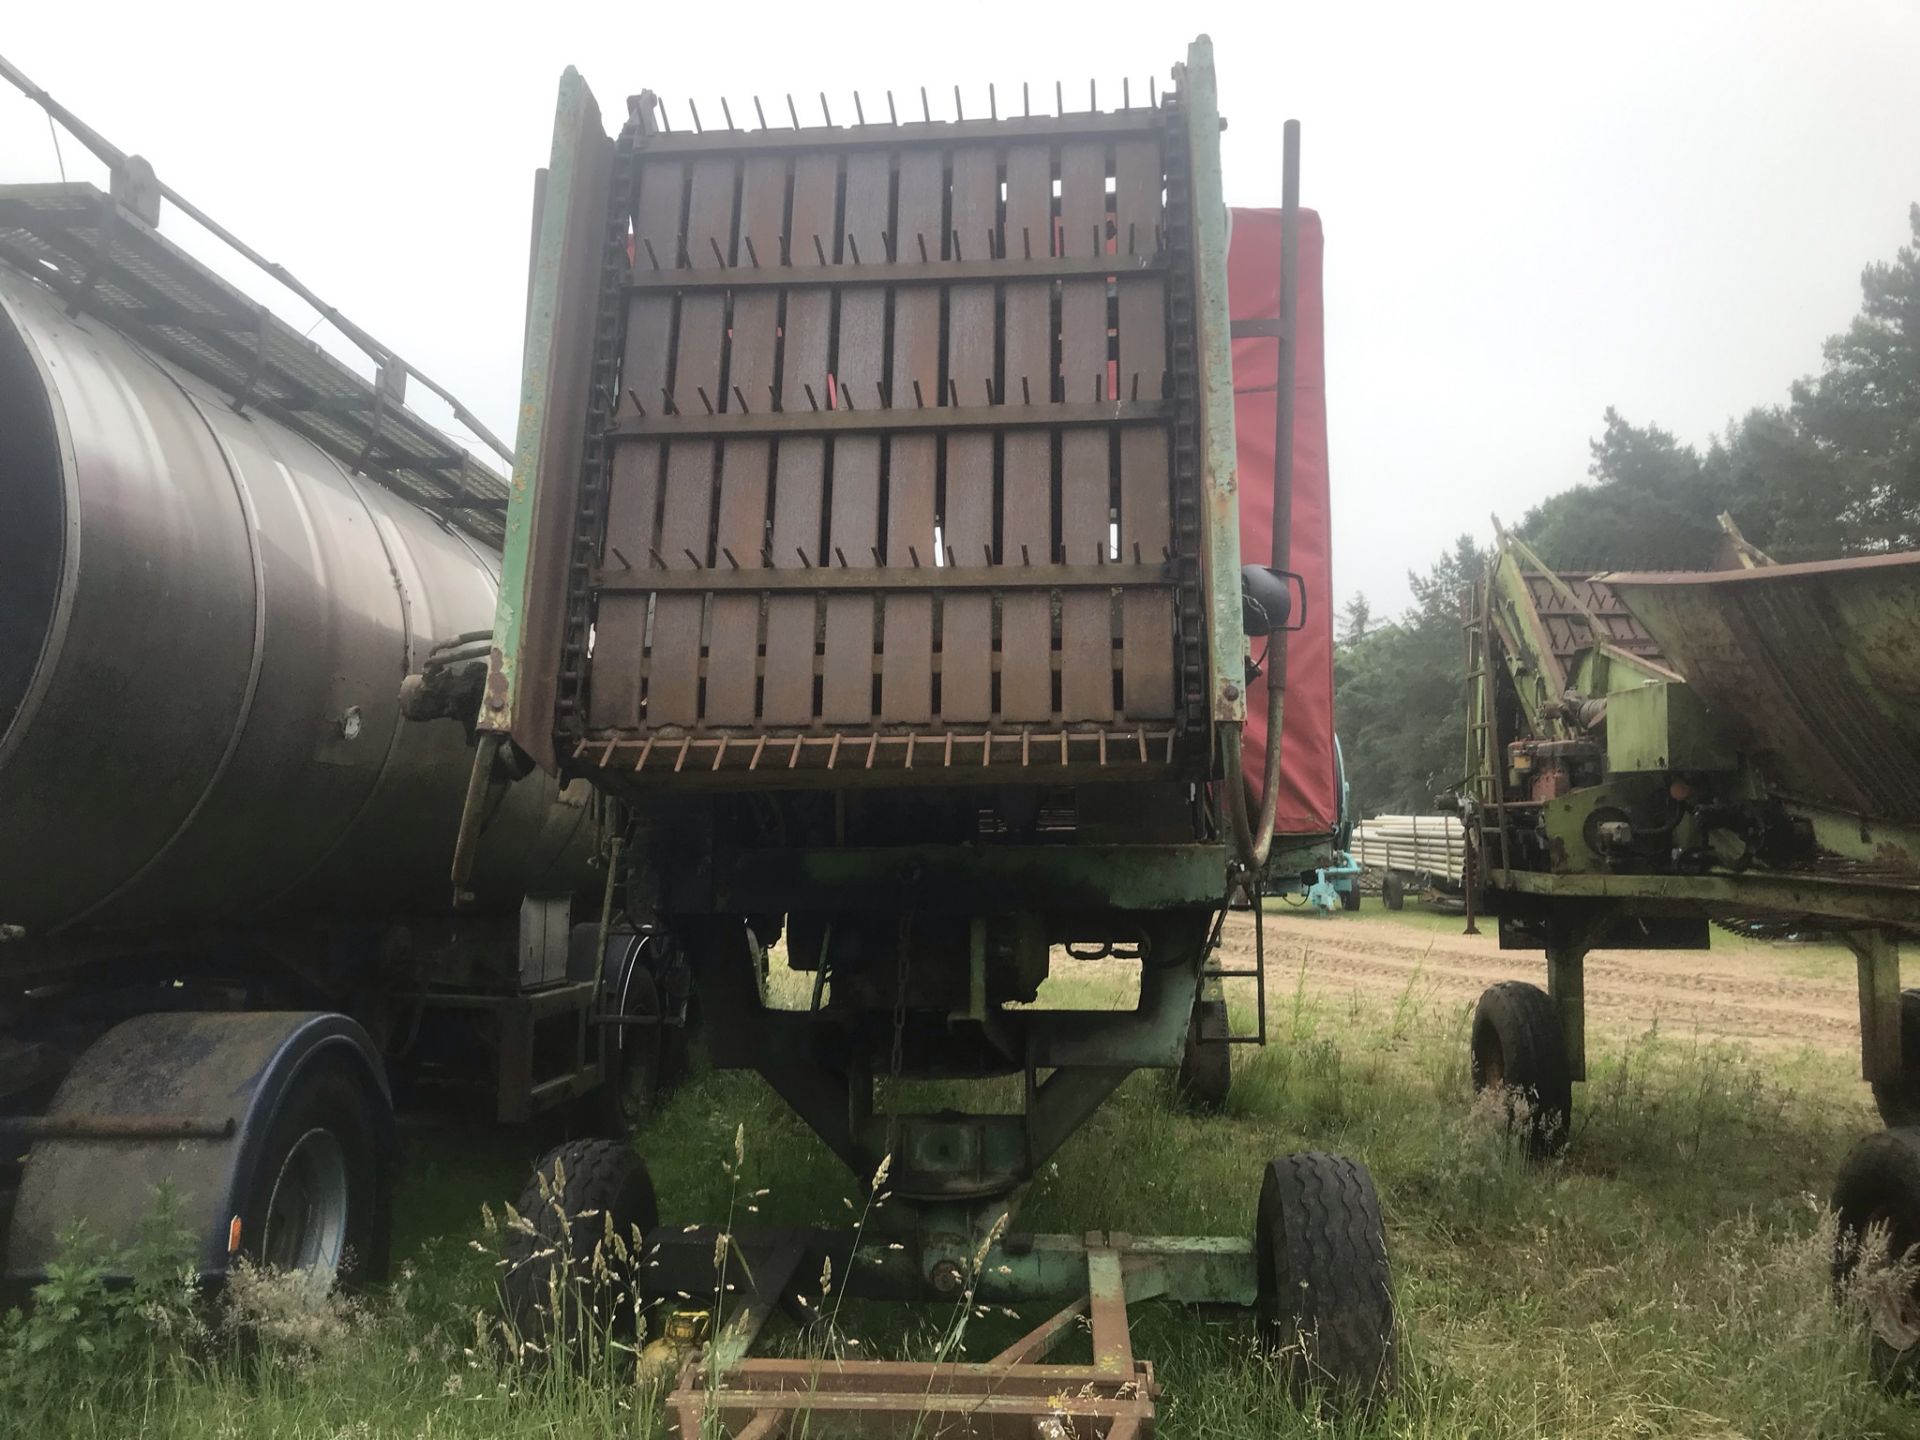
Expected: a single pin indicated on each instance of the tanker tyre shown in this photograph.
(321, 1195)
(1876, 1205)
(1393, 891)
(1898, 1100)
(554, 1292)
(1205, 1077)
(1325, 1306)
(635, 1079)
(1350, 897)
(1520, 1053)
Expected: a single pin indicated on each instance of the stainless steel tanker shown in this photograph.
(205, 621)
(246, 599)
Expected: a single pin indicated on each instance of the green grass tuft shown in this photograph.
(1666, 1277)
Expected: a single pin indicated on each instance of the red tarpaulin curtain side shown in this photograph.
(1308, 803)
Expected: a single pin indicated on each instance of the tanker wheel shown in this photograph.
(1898, 1100)
(320, 1199)
(1206, 1065)
(1350, 897)
(634, 1057)
(1325, 1290)
(1393, 891)
(1876, 1203)
(572, 1262)
(1520, 1053)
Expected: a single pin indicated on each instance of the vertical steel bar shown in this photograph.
(1086, 616)
(673, 670)
(966, 621)
(846, 696)
(1026, 520)
(734, 639)
(799, 477)
(620, 624)
(906, 662)
(1146, 514)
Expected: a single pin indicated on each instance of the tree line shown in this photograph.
(1834, 470)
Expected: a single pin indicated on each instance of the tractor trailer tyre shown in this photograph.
(575, 1246)
(1393, 891)
(1520, 1052)
(273, 1131)
(1898, 1100)
(1350, 897)
(1876, 1203)
(321, 1198)
(1325, 1290)
(1206, 1066)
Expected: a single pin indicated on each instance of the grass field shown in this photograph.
(1667, 1277)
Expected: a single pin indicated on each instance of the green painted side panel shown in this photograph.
(1220, 515)
(576, 123)
(1663, 727)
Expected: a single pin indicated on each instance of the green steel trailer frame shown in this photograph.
(873, 547)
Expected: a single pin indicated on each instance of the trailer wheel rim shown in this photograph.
(307, 1208)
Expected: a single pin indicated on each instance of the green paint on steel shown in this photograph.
(1834, 898)
(1185, 1269)
(1662, 727)
(571, 114)
(962, 878)
(1221, 514)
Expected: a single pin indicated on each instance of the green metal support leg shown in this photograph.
(1878, 955)
(1567, 986)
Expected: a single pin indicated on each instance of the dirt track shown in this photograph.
(1764, 995)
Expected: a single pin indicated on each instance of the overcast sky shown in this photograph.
(1532, 212)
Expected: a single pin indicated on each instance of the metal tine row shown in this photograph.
(840, 396)
(926, 106)
(994, 251)
(1101, 556)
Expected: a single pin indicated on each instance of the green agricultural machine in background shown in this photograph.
(873, 549)
(1649, 753)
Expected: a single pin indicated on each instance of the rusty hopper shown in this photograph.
(1651, 752)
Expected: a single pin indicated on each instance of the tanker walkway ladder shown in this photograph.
(874, 548)
(102, 253)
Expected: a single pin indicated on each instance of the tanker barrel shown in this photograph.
(205, 624)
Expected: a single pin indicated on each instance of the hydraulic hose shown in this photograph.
(1253, 839)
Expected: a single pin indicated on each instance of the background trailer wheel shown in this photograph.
(1393, 891)
(1876, 1203)
(273, 1131)
(1326, 1294)
(579, 1194)
(1519, 1047)
(1205, 1077)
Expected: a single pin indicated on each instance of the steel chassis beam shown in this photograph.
(1872, 918)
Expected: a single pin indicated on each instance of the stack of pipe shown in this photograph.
(1425, 845)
